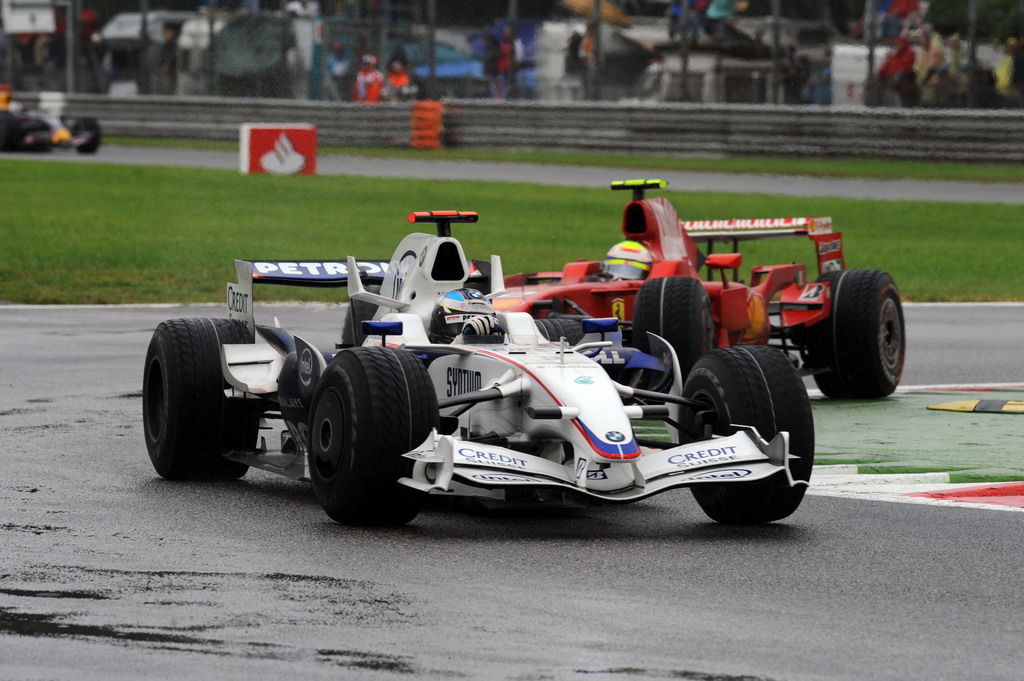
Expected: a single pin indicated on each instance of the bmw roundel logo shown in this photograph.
(614, 436)
(306, 366)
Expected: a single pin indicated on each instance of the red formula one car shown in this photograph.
(845, 327)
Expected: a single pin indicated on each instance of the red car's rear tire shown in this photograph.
(554, 328)
(860, 349)
(679, 310)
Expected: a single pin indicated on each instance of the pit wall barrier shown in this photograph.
(656, 129)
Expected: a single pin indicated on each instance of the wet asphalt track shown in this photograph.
(107, 572)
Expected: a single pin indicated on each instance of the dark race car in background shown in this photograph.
(845, 327)
(37, 131)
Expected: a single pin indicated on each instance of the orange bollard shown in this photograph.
(426, 125)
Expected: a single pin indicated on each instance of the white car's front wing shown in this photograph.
(444, 461)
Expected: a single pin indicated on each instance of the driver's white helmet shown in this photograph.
(461, 309)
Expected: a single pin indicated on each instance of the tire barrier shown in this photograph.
(426, 122)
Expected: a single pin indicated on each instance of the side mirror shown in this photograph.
(382, 329)
(724, 261)
(601, 325)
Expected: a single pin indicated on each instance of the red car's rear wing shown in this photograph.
(829, 244)
(761, 228)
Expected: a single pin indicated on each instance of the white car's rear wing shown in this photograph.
(313, 273)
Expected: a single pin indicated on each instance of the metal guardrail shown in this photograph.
(664, 129)
(742, 130)
(215, 118)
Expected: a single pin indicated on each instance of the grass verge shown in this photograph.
(94, 233)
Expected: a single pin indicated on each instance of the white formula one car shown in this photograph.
(505, 416)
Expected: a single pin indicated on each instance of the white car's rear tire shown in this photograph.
(189, 424)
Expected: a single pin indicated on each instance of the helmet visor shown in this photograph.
(626, 269)
(448, 324)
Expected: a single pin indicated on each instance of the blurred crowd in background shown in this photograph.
(925, 68)
(837, 52)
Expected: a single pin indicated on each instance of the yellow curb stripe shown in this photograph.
(986, 406)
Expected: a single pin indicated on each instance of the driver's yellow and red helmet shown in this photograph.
(627, 260)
